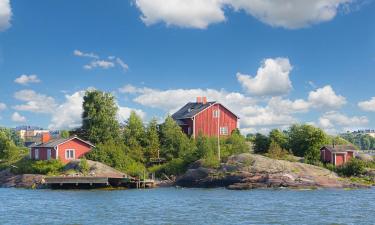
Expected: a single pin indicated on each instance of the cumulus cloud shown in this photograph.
(367, 105)
(27, 79)
(272, 78)
(334, 122)
(5, 14)
(18, 118)
(290, 14)
(325, 98)
(124, 113)
(97, 62)
(3, 106)
(34, 102)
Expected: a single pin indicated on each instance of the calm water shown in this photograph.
(187, 206)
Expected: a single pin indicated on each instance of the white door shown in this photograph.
(48, 154)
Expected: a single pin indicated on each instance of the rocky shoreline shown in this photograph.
(9, 180)
(250, 171)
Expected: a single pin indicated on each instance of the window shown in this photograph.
(70, 154)
(48, 154)
(216, 113)
(223, 130)
(36, 153)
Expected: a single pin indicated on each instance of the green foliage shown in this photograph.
(234, 144)
(354, 167)
(174, 167)
(306, 141)
(362, 141)
(134, 136)
(174, 143)
(277, 152)
(46, 167)
(9, 151)
(84, 166)
(152, 140)
(117, 156)
(280, 138)
(261, 143)
(64, 134)
(99, 121)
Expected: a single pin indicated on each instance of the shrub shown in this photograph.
(48, 167)
(354, 167)
(276, 152)
(174, 167)
(84, 166)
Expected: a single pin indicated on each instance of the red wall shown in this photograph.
(340, 159)
(349, 156)
(80, 148)
(43, 153)
(206, 124)
(328, 155)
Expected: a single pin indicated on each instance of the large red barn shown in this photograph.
(63, 149)
(206, 118)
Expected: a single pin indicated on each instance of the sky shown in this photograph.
(274, 63)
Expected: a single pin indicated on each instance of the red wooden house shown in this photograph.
(337, 154)
(64, 149)
(206, 118)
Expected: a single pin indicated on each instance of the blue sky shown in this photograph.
(274, 65)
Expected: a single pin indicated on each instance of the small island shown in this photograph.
(198, 146)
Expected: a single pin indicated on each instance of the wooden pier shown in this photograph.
(78, 182)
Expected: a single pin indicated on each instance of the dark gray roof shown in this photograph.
(55, 142)
(190, 110)
(340, 148)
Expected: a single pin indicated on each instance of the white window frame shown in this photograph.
(67, 154)
(49, 154)
(224, 130)
(216, 113)
(36, 153)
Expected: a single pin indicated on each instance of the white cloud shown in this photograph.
(325, 98)
(334, 122)
(3, 106)
(257, 116)
(27, 79)
(124, 113)
(289, 14)
(34, 102)
(280, 105)
(18, 118)
(367, 105)
(192, 13)
(5, 14)
(68, 114)
(272, 78)
(97, 62)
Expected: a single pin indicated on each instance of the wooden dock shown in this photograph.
(93, 182)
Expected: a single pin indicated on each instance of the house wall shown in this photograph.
(206, 124)
(80, 148)
(43, 153)
(327, 155)
(349, 156)
(340, 159)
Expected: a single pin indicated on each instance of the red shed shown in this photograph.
(338, 154)
(206, 118)
(64, 149)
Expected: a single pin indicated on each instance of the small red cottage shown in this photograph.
(337, 154)
(206, 118)
(64, 149)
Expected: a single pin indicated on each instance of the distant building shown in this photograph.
(206, 118)
(365, 132)
(64, 149)
(29, 133)
(337, 154)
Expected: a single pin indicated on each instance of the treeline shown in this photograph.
(299, 140)
(11, 147)
(133, 147)
(362, 141)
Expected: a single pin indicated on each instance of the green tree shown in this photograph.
(99, 117)
(134, 136)
(261, 143)
(306, 141)
(152, 140)
(64, 134)
(174, 143)
(234, 144)
(279, 137)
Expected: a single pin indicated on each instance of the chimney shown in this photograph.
(45, 137)
(204, 100)
(199, 99)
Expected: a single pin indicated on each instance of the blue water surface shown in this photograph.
(187, 206)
